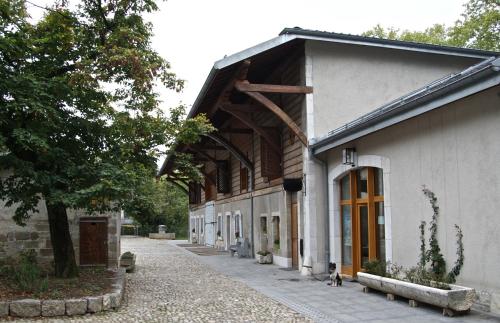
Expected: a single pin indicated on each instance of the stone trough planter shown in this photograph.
(127, 261)
(458, 299)
(67, 307)
(267, 259)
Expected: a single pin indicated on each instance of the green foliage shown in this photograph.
(127, 255)
(25, 273)
(80, 116)
(158, 202)
(433, 255)
(423, 253)
(263, 252)
(455, 271)
(478, 27)
(127, 230)
(383, 269)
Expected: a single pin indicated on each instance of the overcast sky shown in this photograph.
(193, 34)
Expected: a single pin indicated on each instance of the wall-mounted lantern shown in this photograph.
(349, 156)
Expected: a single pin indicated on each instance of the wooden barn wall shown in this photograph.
(292, 104)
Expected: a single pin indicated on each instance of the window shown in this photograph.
(270, 160)
(238, 230)
(223, 177)
(219, 225)
(276, 233)
(362, 218)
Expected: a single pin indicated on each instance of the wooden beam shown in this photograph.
(208, 147)
(247, 108)
(239, 74)
(280, 114)
(185, 190)
(212, 180)
(243, 117)
(204, 154)
(244, 86)
(232, 149)
(236, 131)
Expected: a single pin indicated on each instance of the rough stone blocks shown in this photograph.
(4, 309)
(94, 304)
(53, 308)
(20, 235)
(76, 306)
(116, 299)
(25, 308)
(106, 302)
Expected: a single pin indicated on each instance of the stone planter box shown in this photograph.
(458, 299)
(162, 236)
(267, 259)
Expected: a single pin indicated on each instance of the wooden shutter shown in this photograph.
(223, 178)
(194, 193)
(243, 178)
(210, 190)
(270, 160)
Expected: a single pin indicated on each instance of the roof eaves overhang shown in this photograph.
(387, 43)
(365, 125)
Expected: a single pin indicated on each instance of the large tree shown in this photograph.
(478, 27)
(80, 122)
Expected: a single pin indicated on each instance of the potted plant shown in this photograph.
(219, 243)
(264, 257)
(427, 282)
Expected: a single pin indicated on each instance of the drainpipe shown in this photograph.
(252, 176)
(327, 226)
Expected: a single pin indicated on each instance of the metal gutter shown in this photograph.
(386, 43)
(435, 95)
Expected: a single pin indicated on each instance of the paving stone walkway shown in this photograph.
(323, 303)
(172, 285)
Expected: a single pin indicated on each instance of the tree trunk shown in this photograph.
(62, 245)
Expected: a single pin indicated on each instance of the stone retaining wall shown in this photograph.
(68, 307)
(36, 235)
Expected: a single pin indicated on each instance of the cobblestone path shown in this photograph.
(169, 285)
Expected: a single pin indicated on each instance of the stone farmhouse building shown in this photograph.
(324, 142)
(96, 238)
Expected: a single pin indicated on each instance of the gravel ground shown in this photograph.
(170, 285)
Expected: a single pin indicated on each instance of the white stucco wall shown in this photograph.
(455, 152)
(350, 80)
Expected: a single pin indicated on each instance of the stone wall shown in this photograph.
(36, 235)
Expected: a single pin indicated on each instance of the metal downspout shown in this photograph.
(327, 226)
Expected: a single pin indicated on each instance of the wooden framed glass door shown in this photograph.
(362, 222)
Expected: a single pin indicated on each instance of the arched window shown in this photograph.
(362, 218)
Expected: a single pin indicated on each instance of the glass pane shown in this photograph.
(362, 183)
(379, 181)
(346, 235)
(345, 188)
(363, 219)
(379, 215)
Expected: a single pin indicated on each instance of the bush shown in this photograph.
(263, 253)
(25, 272)
(384, 269)
(128, 230)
